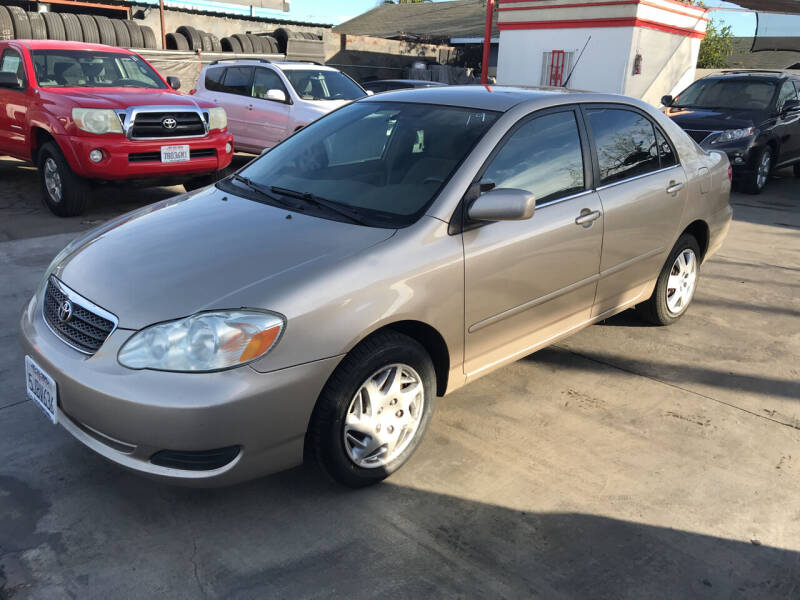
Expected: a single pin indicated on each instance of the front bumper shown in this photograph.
(127, 415)
(141, 159)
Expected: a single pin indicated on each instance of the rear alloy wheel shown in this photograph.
(757, 180)
(676, 284)
(374, 410)
(65, 193)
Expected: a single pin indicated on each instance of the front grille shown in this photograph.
(698, 135)
(84, 330)
(195, 460)
(156, 156)
(150, 125)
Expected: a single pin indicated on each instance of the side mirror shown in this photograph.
(174, 82)
(9, 81)
(667, 100)
(276, 95)
(503, 205)
(790, 106)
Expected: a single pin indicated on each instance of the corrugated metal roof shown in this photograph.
(784, 6)
(422, 21)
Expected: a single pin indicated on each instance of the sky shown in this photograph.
(338, 11)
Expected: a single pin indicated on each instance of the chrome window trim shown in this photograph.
(76, 298)
(127, 118)
(635, 177)
(565, 198)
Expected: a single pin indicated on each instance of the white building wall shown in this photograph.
(603, 67)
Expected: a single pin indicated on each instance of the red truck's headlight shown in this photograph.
(217, 118)
(96, 120)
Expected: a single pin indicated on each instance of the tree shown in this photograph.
(716, 47)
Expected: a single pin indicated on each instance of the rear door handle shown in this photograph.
(588, 217)
(674, 187)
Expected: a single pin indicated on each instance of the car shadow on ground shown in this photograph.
(294, 535)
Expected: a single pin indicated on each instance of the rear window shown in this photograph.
(214, 79)
(626, 143)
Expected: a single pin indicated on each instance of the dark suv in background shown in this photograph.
(753, 116)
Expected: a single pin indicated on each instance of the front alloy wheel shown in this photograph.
(374, 409)
(757, 180)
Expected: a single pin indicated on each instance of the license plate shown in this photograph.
(41, 388)
(171, 154)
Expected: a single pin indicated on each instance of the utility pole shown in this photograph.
(487, 42)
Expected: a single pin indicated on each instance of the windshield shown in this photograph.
(320, 84)
(386, 161)
(741, 94)
(78, 68)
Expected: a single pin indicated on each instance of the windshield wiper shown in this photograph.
(261, 190)
(351, 214)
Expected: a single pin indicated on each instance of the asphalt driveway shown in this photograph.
(625, 462)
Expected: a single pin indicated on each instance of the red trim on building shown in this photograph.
(700, 17)
(584, 23)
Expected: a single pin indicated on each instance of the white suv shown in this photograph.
(268, 101)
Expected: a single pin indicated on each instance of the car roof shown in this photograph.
(57, 45)
(293, 64)
(411, 81)
(492, 97)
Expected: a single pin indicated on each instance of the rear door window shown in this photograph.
(238, 80)
(214, 79)
(625, 141)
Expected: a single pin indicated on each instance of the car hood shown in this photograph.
(123, 97)
(203, 251)
(715, 120)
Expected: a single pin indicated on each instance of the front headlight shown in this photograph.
(96, 120)
(731, 135)
(217, 118)
(203, 342)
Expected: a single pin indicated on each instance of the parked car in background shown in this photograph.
(316, 302)
(85, 113)
(752, 116)
(388, 85)
(268, 101)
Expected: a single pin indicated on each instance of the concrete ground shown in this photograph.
(625, 462)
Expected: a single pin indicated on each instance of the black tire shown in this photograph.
(149, 37)
(215, 43)
(175, 41)
(74, 189)
(121, 34)
(244, 42)
(255, 42)
(72, 27)
(656, 310)
(38, 28)
(6, 24)
(91, 34)
(205, 40)
(325, 439)
(752, 183)
(231, 44)
(135, 32)
(19, 18)
(273, 44)
(55, 26)
(192, 36)
(282, 36)
(106, 30)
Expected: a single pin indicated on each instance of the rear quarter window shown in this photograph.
(213, 80)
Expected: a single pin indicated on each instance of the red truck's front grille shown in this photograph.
(166, 124)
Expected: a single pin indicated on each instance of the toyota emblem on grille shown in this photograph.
(169, 123)
(65, 311)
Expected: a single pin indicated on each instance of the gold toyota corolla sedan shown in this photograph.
(319, 300)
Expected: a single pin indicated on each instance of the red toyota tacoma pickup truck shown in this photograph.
(86, 113)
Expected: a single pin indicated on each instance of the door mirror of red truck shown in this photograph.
(10, 81)
(174, 82)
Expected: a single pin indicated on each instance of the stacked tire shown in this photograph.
(188, 38)
(15, 23)
(284, 34)
(248, 43)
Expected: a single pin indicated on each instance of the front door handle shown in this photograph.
(674, 187)
(588, 217)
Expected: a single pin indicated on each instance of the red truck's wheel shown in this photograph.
(65, 193)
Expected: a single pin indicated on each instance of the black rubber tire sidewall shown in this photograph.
(6, 24)
(38, 28)
(655, 310)
(75, 189)
(54, 26)
(192, 36)
(72, 27)
(137, 41)
(325, 441)
(22, 27)
(121, 33)
(750, 183)
(149, 37)
(106, 30)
